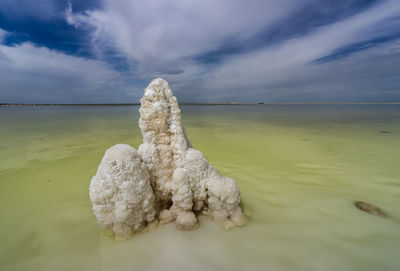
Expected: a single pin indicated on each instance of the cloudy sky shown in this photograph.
(107, 51)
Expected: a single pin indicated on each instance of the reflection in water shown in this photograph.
(300, 169)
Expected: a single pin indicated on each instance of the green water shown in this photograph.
(299, 169)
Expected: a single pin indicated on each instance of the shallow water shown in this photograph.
(299, 169)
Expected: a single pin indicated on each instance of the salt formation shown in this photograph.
(123, 200)
(166, 179)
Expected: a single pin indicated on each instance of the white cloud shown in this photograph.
(161, 34)
(38, 74)
(71, 19)
(278, 63)
(3, 34)
(163, 38)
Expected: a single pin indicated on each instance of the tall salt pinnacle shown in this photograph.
(165, 180)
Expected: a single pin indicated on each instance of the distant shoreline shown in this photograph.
(231, 103)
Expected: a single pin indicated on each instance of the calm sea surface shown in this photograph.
(299, 169)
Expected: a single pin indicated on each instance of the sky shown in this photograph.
(107, 51)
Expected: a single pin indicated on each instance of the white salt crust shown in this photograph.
(165, 180)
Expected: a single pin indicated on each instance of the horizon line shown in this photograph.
(193, 103)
